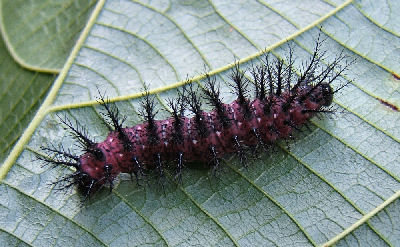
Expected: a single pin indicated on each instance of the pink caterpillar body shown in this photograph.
(194, 146)
(280, 107)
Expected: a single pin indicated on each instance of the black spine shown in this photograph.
(195, 106)
(148, 113)
(179, 168)
(107, 175)
(178, 107)
(259, 77)
(138, 171)
(240, 84)
(215, 161)
(212, 93)
(240, 152)
(113, 115)
(160, 170)
(289, 71)
(80, 134)
(279, 72)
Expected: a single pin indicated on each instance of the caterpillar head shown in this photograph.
(94, 173)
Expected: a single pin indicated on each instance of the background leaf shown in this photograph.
(39, 33)
(337, 183)
(22, 92)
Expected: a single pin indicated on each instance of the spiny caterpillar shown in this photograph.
(281, 105)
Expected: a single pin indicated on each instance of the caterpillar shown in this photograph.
(283, 102)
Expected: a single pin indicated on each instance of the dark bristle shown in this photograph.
(308, 71)
(138, 171)
(270, 78)
(56, 161)
(147, 112)
(240, 152)
(340, 69)
(107, 175)
(212, 93)
(291, 124)
(215, 161)
(278, 75)
(260, 142)
(66, 182)
(260, 76)
(87, 189)
(289, 69)
(178, 107)
(279, 70)
(319, 111)
(330, 73)
(60, 151)
(160, 170)
(113, 116)
(179, 168)
(79, 133)
(270, 75)
(240, 84)
(195, 106)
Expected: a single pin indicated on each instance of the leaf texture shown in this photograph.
(338, 183)
(22, 92)
(39, 33)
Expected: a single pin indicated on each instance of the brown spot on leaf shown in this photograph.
(391, 106)
(397, 77)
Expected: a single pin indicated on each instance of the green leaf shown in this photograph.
(22, 92)
(338, 183)
(40, 34)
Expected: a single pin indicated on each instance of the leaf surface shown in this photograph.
(22, 92)
(40, 34)
(338, 183)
